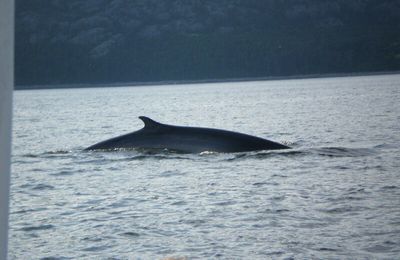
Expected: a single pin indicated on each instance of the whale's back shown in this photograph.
(155, 135)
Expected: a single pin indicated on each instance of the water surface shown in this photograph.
(336, 194)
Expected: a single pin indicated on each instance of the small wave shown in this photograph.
(276, 253)
(144, 151)
(347, 198)
(266, 154)
(66, 172)
(25, 211)
(259, 184)
(167, 174)
(55, 258)
(194, 222)
(130, 234)
(279, 176)
(96, 248)
(344, 209)
(327, 249)
(133, 154)
(378, 249)
(278, 198)
(107, 156)
(390, 187)
(356, 190)
(39, 186)
(343, 151)
(386, 146)
(164, 154)
(37, 228)
(276, 211)
(30, 155)
(170, 156)
(48, 154)
(179, 203)
(288, 153)
(43, 187)
(92, 239)
(224, 203)
(208, 153)
(57, 152)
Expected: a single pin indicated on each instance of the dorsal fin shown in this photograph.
(149, 123)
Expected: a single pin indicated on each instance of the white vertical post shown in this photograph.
(6, 89)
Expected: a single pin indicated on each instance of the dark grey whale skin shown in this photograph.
(155, 135)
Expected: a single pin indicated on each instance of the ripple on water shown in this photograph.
(168, 174)
(389, 187)
(56, 258)
(26, 210)
(379, 248)
(179, 203)
(265, 183)
(57, 155)
(327, 249)
(344, 209)
(97, 248)
(265, 154)
(66, 172)
(37, 228)
(343, 151)
(40, 186)
(130, 234)
(305, 202)
(141, 154)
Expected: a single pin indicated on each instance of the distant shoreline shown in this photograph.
(184, 82)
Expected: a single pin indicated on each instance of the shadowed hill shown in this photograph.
(108, 41)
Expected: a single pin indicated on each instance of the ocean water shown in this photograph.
(334, 195)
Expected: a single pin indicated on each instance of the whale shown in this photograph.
(186, 139)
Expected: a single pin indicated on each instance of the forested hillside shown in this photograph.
(108, 41)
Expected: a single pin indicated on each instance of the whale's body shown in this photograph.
(155, 135)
